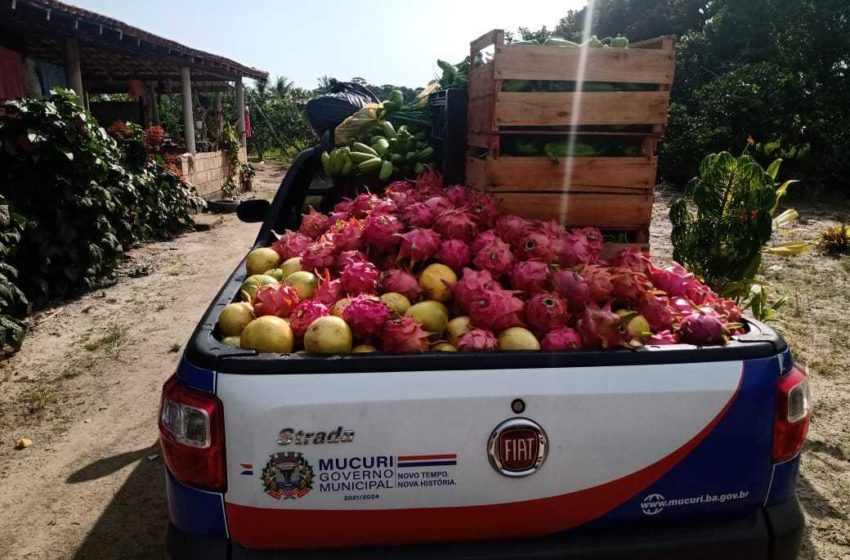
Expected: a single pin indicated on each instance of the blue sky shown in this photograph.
(383, 41)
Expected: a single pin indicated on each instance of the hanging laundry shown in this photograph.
(248, 130)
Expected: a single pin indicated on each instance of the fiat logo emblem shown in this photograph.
(517, 447)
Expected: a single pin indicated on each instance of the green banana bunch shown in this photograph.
(388, 153)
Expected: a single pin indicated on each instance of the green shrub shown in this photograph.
(723, 223)
(13, 303)
(82, 198)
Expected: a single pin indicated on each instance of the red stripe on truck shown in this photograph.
(291, 528)
(426, 457)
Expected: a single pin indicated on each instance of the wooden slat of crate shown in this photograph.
(594, 108)
(480, 115)
(476, 173)
(623, 174)
(480, 81)
(536, 62)
(624, 211)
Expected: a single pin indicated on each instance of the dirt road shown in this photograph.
(85, 389)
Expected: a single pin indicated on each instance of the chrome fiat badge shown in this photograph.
(517, 447)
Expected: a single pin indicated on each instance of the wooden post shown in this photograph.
(188, 117)
(240, 111)
(72, 67)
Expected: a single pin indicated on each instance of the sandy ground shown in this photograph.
(85, 389)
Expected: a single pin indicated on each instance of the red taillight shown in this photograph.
(191, 430)
(793, 410)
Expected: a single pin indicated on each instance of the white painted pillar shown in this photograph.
(188, 117)
(72, 68)
(240, 111)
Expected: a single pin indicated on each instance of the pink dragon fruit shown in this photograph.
(291, 244)
(380, 231)
(346, 234)
(477, 340)
(385, 206)
(628, 285)
(658, 312)
(674, 280)
(482, 240)
(343, 207)
(595, 239)
(275, 299)
(402, 282)
(512, 229)
(561, 338)
(419, 214)
(545, 311)
(456, 223)
(360, 278)
(404, 335)
(430, 180)
(495, 309)
(575, 250)
(349, 257)
(727, 309)
(601, 328)
(458, 195)
(305, 313)
(702, 327)
(483, 209)
(682, 306)
(400, 192)
(418, 245)
(362, 205)
(319, 255)
(471, 282)
(496, 257)
(663, 338)
(438, 205)
(328, 291)
(632, 258)
(367, 316)
(454, 253)
(529, 276)
(572, 286)
(598, 280)
(538, 246)
(313, 224)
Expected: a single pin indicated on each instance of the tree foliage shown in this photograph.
(774, 70)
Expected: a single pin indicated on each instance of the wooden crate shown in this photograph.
(608, 192)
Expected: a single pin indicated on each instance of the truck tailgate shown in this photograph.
(403, 457)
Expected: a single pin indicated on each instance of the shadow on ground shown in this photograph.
(133, 524)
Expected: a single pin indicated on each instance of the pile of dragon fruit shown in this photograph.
(502, 282)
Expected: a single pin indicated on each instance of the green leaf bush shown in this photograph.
(81, 197)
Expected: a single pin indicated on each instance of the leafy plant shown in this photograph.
(835, 240)
(13, 303)
(724, 221)
(74, 199)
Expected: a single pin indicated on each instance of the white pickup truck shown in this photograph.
(663, 452)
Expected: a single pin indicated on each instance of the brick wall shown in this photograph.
(208, 172)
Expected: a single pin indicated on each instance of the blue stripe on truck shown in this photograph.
(195, 377)
(731, 468)
(195, 511)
